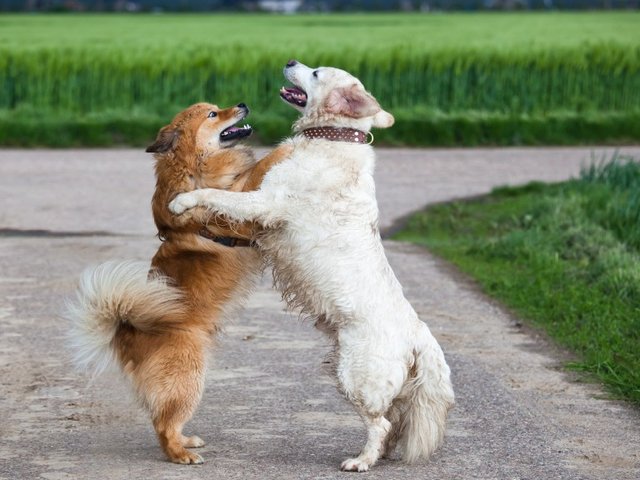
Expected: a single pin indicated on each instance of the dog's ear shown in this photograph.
(165, 141)
(352, 102)
(383, 119)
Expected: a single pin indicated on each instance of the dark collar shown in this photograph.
(226, 241)
(338, 134)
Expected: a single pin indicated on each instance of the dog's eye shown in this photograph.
(315, 73)
(212, 114)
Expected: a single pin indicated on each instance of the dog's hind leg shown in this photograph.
(168, 423)
(377, 430)
(394, 416)
(371, 383)
(177, 382)
(173, 442)
(371, 379)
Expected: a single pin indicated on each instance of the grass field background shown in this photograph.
(565, 257)
(450, 79)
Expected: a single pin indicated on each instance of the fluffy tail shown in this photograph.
(113, 294)
(428, 400)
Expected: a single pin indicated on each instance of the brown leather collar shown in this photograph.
(337, 134)
(226, 241)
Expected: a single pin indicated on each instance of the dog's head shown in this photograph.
(202, 128)
(329, 96)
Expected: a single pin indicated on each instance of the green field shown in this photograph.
(450, 79)
(565, 257)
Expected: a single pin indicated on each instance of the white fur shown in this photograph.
(321, 216)
(114, 293)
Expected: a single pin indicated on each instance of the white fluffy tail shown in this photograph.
(112, 294)
(427, 403)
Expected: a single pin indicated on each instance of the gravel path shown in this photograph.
(270, 409)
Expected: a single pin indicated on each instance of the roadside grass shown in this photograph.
(565, 257)
(419, 126)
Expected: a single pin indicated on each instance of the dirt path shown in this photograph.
(270, 410)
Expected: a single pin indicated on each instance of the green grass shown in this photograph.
(565, 257)
(413, 127)
(447, 71)
(293, 34)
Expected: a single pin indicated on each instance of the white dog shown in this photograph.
(320, 219)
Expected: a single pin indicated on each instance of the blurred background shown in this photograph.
(453, 72)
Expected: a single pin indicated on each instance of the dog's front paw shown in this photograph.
(354, 465)
(183, 202)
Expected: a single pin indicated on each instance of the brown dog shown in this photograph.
(159, 324)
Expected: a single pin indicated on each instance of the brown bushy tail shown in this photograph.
(112, 294)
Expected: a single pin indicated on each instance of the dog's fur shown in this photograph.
(320, 216)
(158, 324)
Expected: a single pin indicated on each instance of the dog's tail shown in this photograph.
(429, 396)
(111, 295)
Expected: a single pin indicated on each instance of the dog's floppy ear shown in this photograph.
(165, 141)
(352, 102)
(383, 119)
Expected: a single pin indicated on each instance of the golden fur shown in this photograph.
(160, 338)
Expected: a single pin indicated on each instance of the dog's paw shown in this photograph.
(192, 442)
(188, 458)
(183, 202)
(354, 465)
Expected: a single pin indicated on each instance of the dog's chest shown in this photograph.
(327, 212)
(327, 202)
(315, 186)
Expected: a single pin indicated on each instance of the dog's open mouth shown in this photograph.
(235, 133)
(294, 95)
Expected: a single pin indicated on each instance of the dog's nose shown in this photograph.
(292, 63)
(242, 105)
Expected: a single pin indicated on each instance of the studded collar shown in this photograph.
(338, 134)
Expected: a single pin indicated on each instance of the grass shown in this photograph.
(456, 76)
(28, 127)
(565, 257)
(291, 35)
